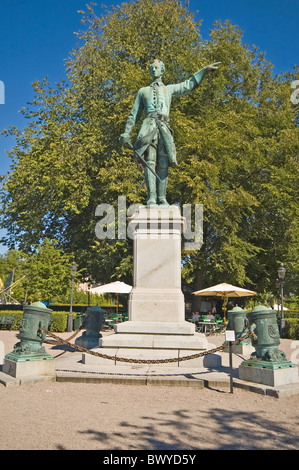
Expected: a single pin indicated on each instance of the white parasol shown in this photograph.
(116, 287)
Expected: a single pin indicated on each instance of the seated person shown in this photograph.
(195, 316)
(209, 316)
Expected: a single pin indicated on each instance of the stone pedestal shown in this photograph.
(156, 295)
(29, 368)
(242, 349)
(269, 376)
(87, 342)
(156, 316)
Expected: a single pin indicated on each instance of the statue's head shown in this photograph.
(157, 69)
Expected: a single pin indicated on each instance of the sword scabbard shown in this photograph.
(143, 160)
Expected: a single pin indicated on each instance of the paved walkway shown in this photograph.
(70, 368)
(111, 408)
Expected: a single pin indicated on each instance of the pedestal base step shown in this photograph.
(207, 361)
(198, 341)
(156, 328)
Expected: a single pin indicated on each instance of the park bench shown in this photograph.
(7, 320)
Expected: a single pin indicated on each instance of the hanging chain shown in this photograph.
(140, 361)
(82, 326)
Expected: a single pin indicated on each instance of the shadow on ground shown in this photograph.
(185, 429)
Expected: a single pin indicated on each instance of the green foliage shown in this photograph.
(292, 302)
(48, 272)
(17, 315)
(239, 167)
(291, 314)
(44, 272)
(292, 328)
(237, 143)
(59, 321)
(13, 261)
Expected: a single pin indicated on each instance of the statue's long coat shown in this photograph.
(155, 100)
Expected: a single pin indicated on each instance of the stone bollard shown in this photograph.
(29, 357)
(267, 364)
(237, 321)
(94, 319)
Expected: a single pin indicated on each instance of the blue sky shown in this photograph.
(37, 35)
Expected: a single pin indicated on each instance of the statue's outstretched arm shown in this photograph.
(189, 85)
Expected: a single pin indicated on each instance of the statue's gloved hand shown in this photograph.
(124, 138)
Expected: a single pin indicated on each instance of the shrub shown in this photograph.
(291, 314)
(59, 321)
(17, 314)
(292, 328)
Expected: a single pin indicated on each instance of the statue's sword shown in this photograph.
(143, 161)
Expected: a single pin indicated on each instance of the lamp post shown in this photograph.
(89, 287)
(277, 286)
(73, 269)
(281, 274)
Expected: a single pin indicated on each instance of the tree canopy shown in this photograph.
(43, 274)
(237, 143)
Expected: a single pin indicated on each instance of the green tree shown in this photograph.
(237, 144)
(14, 261)
(48, 272)
(243, 166)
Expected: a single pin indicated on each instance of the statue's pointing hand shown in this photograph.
(212, 67)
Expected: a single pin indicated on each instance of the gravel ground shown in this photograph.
(81, 416)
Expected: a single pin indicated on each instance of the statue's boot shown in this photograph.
(162, 186)
(150, 181)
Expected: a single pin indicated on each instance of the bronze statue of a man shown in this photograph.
(155, 138)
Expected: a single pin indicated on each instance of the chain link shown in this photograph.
(139, 361)
(82, 326)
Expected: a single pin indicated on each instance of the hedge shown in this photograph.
(291, 323)
(291, 313)
(292, 328)
(12, 313)
(58, 320)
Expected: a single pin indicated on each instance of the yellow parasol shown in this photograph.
(225, 290)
